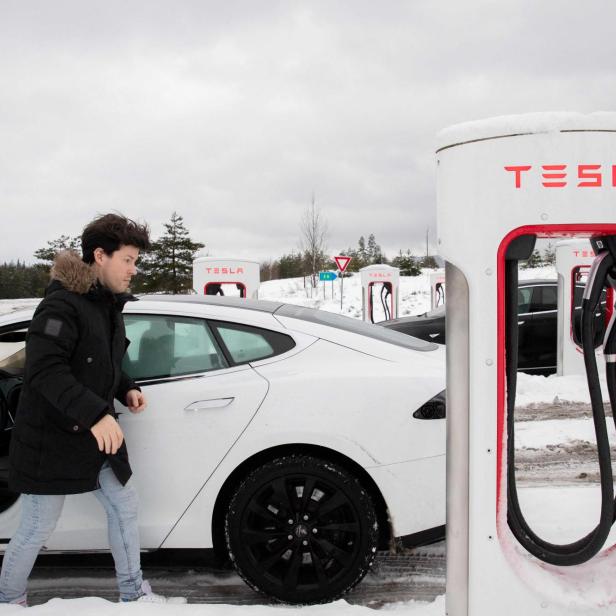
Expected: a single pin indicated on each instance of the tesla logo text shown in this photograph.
(557, 176)
(380, 275)
(583, 253)
(224, 270)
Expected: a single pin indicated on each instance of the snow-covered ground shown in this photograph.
(414, 294)
(92, 606)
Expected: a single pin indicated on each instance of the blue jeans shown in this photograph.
(39, 515)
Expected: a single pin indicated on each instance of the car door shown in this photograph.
(199, 403)
(12, 361)
(525, 323)
(542, 341)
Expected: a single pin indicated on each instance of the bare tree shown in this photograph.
(313, 239)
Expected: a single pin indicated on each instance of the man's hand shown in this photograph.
(135, 401)
(108, 434)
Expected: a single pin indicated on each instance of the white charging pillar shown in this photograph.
(235, 277)
(374, 279)
(437, 289)
(549, 175)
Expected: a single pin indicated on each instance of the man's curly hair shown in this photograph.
(110, 232)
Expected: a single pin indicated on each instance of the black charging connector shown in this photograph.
(602, 275)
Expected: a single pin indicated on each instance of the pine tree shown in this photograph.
(291, 265)
(549, 255)
(168, 267)
(362, 253)
(429, 262)
(64, 242)
(374, 253)
(407, 263)
(533, 261)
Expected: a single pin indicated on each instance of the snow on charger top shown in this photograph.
(524, 124)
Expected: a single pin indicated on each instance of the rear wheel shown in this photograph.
(301, 530)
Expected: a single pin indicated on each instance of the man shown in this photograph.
(66, 438)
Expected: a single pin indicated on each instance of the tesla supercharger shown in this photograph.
(380, 286)
(437, 289)
(574, 258)
(235, 277)
(500, 184)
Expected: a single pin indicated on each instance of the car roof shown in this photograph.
(261, 305)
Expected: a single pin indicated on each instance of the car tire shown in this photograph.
(301, 530)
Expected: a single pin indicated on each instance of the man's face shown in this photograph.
(116, 271)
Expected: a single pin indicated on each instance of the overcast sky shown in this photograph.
(235, 113)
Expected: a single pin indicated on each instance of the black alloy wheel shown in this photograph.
(301, 530)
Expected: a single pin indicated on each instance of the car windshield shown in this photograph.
(355, 326)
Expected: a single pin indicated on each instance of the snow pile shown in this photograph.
(544, 272)
(553, 432)
(524, 124)
(554, 389)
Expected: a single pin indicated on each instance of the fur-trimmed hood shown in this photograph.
(71, 273)
(74, 274)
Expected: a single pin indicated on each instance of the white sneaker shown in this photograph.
(23, 601)
(151, 597)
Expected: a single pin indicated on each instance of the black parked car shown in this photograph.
(537, 319)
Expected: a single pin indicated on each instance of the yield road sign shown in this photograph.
(342, 262)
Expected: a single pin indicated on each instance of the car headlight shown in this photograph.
(435, 408)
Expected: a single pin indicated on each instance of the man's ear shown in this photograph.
(98, 255)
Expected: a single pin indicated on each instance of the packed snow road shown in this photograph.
(555, 444)
(413, 575)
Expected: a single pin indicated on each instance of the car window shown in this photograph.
(544, 298)
(13, 349)
(163, 346)
(524, 296)
(245, 343)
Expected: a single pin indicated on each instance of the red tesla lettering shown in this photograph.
(225, 270)
(240, 270)
(517, 169)
(554, 176)
(594, 178)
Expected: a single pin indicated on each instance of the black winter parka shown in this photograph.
(74, 350)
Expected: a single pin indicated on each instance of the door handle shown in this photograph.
(204, 405)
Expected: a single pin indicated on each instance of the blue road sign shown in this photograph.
(327, 276)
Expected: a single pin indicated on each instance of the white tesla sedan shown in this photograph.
(297, 441)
